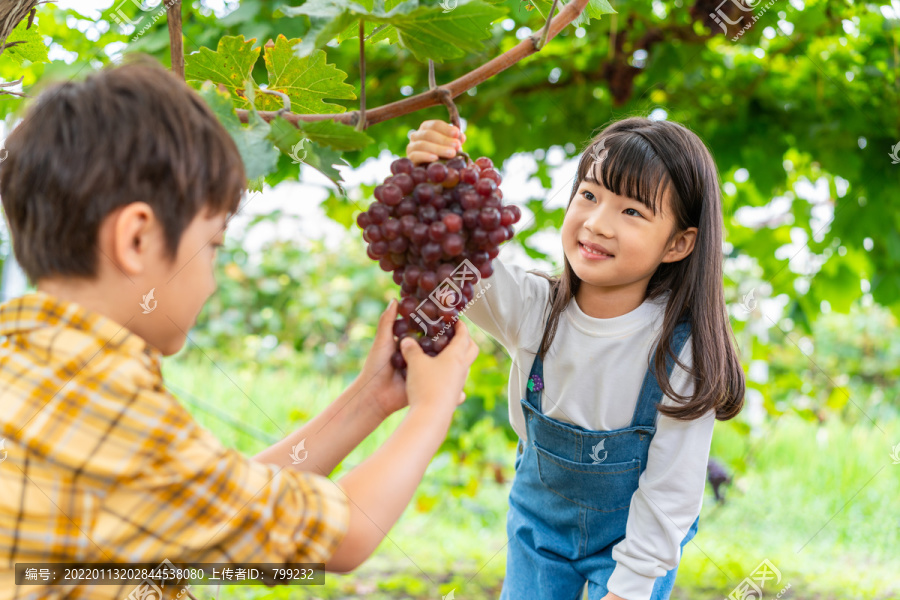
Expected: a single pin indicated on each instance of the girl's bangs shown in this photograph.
(627, 166)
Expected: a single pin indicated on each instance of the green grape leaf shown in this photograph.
(429, 32)
(259, 155)
(292, 142)
(231, 65)
(433, 32)
(306, 81)
(31, 48)
(335, 135)
(594, 10)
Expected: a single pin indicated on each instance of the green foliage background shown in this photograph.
(809, 95)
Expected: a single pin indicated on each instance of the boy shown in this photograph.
(114, 187)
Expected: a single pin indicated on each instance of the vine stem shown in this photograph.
(433, 97)
(361, 124)
(176, 43)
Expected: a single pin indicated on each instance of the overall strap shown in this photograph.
(535, 382)
(645, 412)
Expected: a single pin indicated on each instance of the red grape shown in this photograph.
(454, 222)
(402, 165)
(484, 187)
(452, 178)
(489, 219)
(491, 173)
(392, 228)
(437, 231)
(428, 281)
(436, 172)
(419, 175)
(378, 212)
(405, 182)
(374, 233)
(407, 206)
(391, 194)
(468, 176)
(484, 163)
(453, 244)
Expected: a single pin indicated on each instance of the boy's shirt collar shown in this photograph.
(39, 310)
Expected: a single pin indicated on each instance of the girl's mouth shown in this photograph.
(592, 254)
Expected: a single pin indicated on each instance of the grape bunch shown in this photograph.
(431, 224)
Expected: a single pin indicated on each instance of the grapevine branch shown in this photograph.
(361, 124)
(444, 93)
(176, 44)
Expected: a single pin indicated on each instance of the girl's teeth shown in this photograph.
(594, 251)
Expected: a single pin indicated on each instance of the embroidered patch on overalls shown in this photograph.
(535, 383)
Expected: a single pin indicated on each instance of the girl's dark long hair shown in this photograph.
(644, 160)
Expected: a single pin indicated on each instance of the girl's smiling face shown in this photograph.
(613, 241)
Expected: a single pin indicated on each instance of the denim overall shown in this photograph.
(570, 498)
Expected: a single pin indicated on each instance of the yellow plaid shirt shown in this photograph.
(101, 464)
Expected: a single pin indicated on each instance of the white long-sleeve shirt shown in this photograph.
(593, 373)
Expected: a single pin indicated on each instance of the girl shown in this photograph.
(622, 364)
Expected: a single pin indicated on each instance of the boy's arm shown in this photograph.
(330, 436)
(381, 487)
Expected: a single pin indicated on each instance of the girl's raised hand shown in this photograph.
(433, 140)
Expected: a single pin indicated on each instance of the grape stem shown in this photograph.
(543, 40)
(445, 97)
(568, 13)
(431, 81)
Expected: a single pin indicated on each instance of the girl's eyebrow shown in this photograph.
(593, 181)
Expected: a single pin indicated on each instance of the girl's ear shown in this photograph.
(681, 245)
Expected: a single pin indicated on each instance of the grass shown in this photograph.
(815, 500)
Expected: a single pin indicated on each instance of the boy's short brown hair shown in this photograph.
(124, 134)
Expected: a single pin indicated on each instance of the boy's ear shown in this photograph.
(133, 237)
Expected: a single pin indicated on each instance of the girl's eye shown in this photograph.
(588, 196)
(636, 212)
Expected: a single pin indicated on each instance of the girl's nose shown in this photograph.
(598, 221)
